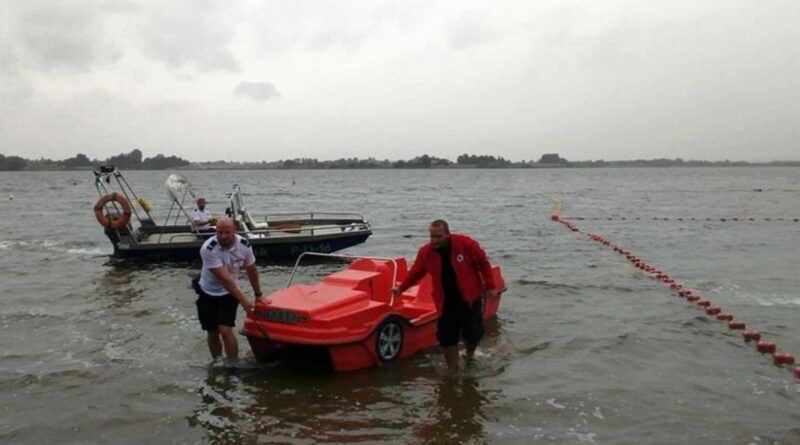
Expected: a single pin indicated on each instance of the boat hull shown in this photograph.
(354, 355)
(271, 251)
(352, 316)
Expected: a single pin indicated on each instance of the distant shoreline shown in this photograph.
(135, 161)
(515, 167)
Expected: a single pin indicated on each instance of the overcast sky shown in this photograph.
(252, 80)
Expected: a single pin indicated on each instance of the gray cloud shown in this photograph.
(469, 32)
(67, 35)
(332, 36)
(260, 91)
(192, 33)
(14, 87)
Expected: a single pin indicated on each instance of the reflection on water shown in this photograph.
(243, 405)
(116, 286)
(299, 400)
(457, 413)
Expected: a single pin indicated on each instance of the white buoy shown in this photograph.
(10, 197)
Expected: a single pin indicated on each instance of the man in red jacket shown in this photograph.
(460, 272)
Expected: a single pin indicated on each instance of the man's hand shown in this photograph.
(212, 221)
(395, 291)
(247, 305)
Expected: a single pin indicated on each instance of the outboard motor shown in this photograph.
(114, 234)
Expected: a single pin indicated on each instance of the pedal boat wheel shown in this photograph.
(112, 223)
(389, 339)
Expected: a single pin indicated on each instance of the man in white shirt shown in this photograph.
(218, 290)
(202, 219)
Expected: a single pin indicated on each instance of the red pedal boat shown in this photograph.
(351, 313)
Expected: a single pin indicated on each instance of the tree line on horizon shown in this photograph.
(136, 161)
(129, 161)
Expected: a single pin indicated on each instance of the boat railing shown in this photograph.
(277, 217)
(309, 229)
(266, 232)
(350, 258)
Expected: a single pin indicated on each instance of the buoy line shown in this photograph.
(681, 218)
(778, 358)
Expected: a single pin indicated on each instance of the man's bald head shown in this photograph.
(226, 231)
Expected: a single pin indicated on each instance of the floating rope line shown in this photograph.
(557, 206)
(679, 218)
(779, 358)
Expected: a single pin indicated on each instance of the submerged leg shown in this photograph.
(451, 356)
(230, 342)
(214, 343)
(470, 351)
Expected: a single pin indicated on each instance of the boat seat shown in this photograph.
(373, 284)
(382, 266)
(417, 301)
(252, 224)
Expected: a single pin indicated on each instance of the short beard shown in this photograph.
(442, 246)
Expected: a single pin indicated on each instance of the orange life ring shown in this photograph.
(103, 219)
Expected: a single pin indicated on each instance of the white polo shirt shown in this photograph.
(203, 215)
(232, 258)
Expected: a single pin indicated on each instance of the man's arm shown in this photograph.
(198, 221)
(484, 267)
(417, 271)
(252, 275)
(222, 276)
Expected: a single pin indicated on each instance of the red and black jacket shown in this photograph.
(472, 268)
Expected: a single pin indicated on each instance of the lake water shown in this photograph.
(585, 348)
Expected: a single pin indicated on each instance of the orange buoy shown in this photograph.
(736, 325)
(713, 310)
(103, 219)
(782, 358)
(766, 346)
(797, 368)
(553, 217)
(751, 335)
(725, 317)
(704, 303)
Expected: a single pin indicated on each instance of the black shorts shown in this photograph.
(214, 311)
(460, 320)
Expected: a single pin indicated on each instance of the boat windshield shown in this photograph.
(178, 187)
